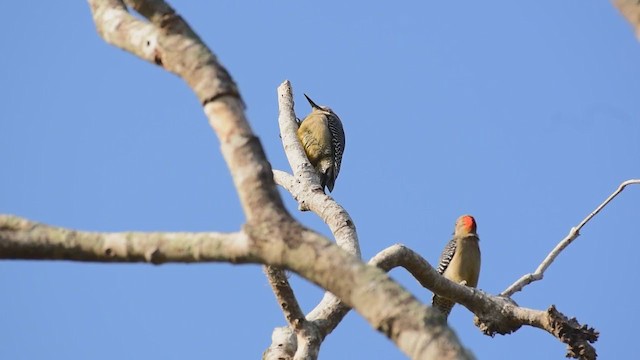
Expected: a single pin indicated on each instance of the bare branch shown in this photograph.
(24, 239)
(331, 213)
(309, 342)
(286, 298)
(328, 314)
(573, 234)
(494, 314)
(578, 338)
(306, 344)
(330, 311)
(306, 332)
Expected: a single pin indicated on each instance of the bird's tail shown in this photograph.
(329, 178)
(443, 305)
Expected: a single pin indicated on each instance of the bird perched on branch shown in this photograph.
(460, 260)
(322, 138)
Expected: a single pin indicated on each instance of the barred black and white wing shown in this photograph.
(446, 256)
(444, 305)
(337, 138)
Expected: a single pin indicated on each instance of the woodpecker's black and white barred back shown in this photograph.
(445, 257)
(337, 137)
(322, 137)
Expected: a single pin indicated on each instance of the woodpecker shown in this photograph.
(322, 138)
(460, 260)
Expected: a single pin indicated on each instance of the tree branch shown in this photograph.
(24, 239)
(330, 311)
(329, 211)
(306, 344)
(494, 314)
(286, 298)
(573, 234)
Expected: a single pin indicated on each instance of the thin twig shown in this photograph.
(573, 234)
(285, 296)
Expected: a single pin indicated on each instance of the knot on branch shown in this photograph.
(497, 317)
(577, 337)
(154, 256)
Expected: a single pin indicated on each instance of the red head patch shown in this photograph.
(468, 223)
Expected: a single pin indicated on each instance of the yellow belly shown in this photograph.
(469, 252)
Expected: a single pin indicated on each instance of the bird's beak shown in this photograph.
(313, 105)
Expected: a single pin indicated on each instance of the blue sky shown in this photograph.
(524, 114)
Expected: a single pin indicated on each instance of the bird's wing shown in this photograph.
(445, 257)
(337, 139)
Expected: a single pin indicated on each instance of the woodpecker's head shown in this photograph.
(465, 225)
(317, 107)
